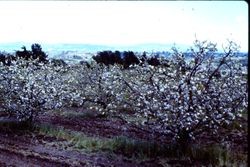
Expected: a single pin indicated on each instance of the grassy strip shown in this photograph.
(119, 144)
(139, 149)
(77, 139)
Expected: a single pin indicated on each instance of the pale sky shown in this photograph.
(124, 22)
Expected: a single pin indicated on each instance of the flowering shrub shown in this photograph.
(96, 87)
(192, 94)
(28, 87)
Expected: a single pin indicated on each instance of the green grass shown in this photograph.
(78, 140)
(119, 144)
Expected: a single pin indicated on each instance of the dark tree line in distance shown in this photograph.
(36, 52)
(125, 58)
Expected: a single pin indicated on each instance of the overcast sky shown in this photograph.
(124, 23)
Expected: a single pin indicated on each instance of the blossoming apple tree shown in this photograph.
(28, 87)
(198, 93)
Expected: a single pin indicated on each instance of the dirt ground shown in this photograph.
(22, 148)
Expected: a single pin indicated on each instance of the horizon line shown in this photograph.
(168, 46)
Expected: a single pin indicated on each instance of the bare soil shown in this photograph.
(104, 127)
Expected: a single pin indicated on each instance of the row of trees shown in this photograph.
(125, 58)
(182, 100)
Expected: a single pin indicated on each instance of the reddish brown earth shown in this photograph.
(104, 127)
(24, 148)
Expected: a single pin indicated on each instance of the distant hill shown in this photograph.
(149, 47)
(78, 52)
(11, 47)
(92, 48)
